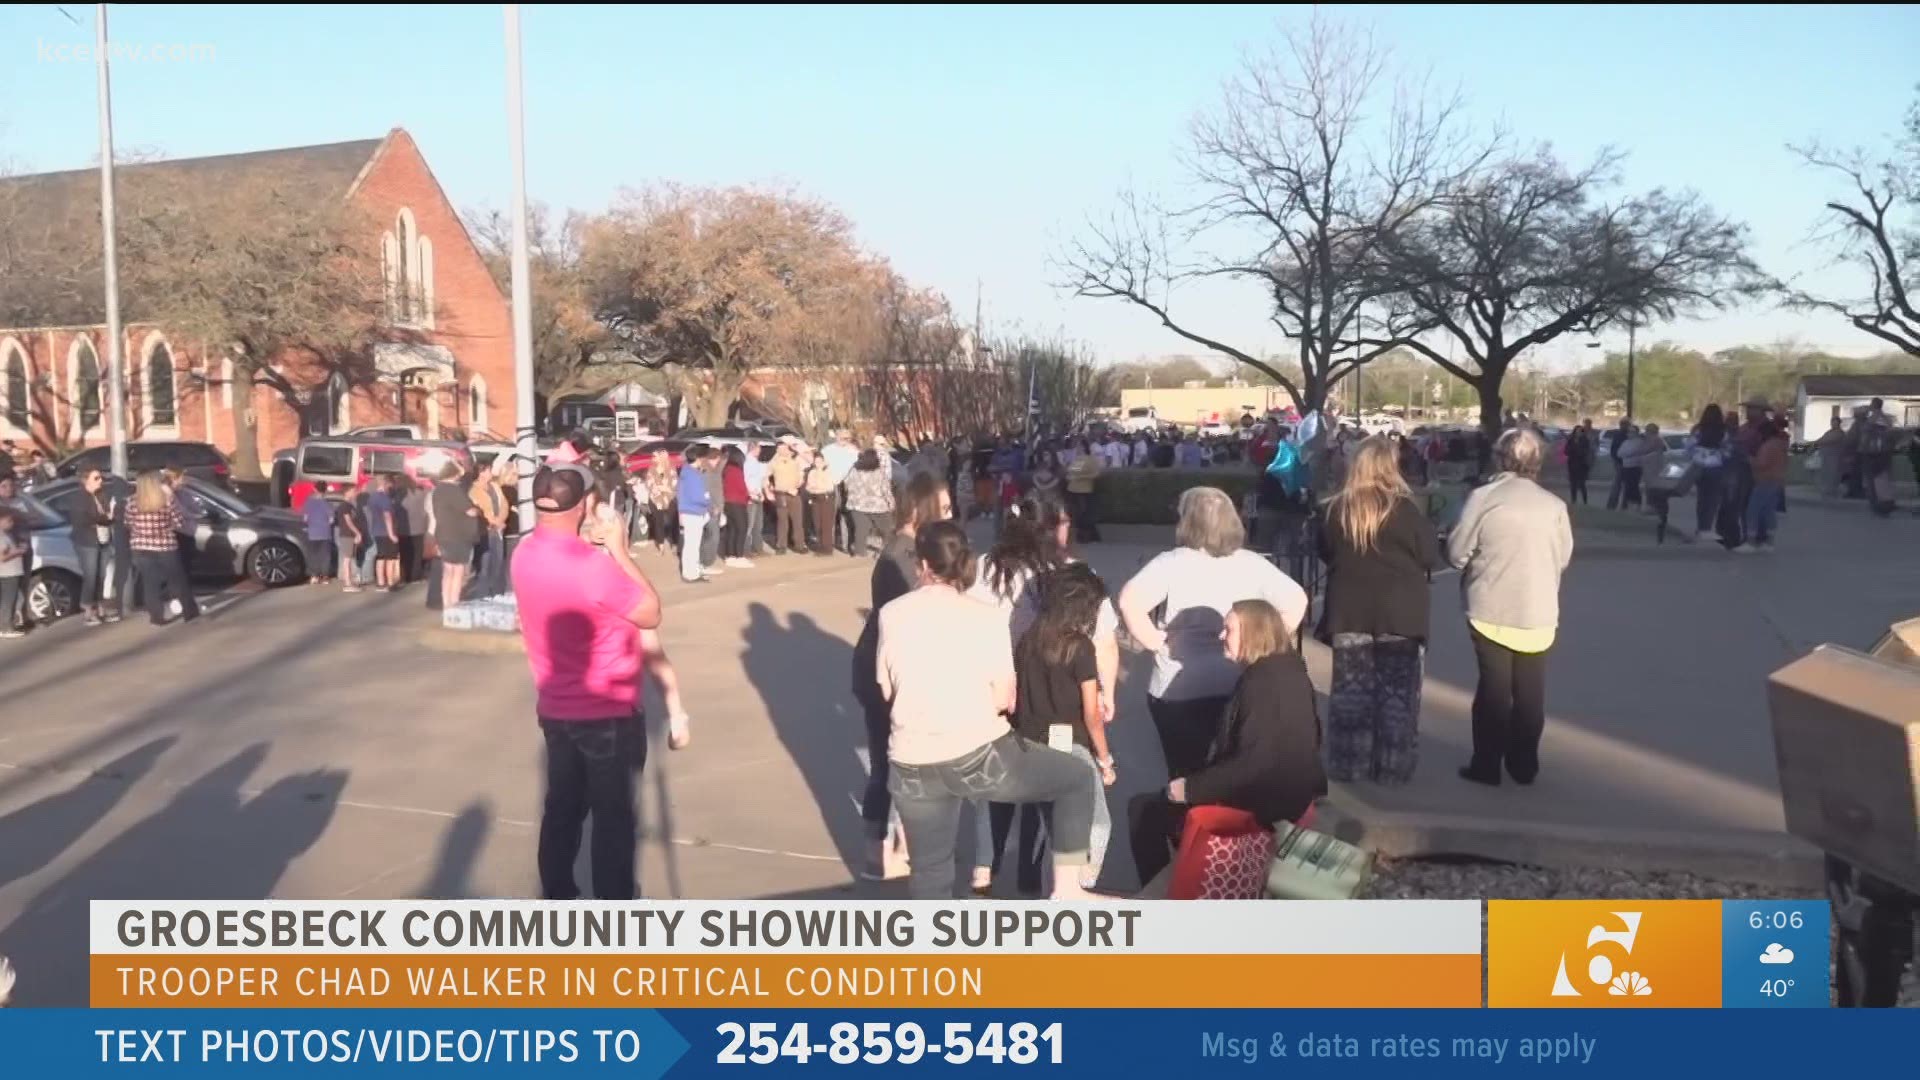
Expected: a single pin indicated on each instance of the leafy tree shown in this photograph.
(572, 352)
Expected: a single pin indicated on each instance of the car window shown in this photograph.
(197, 454)
(326, 460)
(40, 515)
(386, 461)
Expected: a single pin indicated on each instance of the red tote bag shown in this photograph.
(1224, 855)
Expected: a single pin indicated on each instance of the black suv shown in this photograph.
(198, 459)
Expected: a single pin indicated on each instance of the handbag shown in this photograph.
(1309, 865)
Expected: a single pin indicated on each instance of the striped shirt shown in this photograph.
(155, 530)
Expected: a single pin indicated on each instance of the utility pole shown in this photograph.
(1630, 329)
(116, 362)
(527, 450)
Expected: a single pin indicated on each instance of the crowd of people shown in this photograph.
(390, 530)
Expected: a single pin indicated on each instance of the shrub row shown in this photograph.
(1152, 496)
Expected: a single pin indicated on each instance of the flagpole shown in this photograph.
(1026, 432)
(116, 388)
(527, 449)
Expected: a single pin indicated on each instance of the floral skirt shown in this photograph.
(1373, 709)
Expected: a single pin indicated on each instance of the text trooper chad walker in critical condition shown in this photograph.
(544, 927)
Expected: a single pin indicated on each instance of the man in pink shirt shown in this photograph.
(582, 607)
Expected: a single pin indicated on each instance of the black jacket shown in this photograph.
(1385, 590)
(86, 517)
(1266, 759)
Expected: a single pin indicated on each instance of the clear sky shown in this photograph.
(968, 143)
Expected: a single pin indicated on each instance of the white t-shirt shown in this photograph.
(1141, 451)
(1198, 591)
(840, 459)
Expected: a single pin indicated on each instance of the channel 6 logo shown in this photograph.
(1661, 954)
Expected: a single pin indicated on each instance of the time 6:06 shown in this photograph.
(1777, 920)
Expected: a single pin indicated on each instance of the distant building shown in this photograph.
(1820, 398)
(456, 372)
(1192, 406)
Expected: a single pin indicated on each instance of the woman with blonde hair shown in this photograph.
(489, 495)
(1265, 759)
(1196, 584)
(1379, 548)
(154, 524)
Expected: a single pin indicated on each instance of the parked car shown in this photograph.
(349, 460)
(230, 540)
(1141, 419)
(642, 456)
(387, 431)
(203, 461)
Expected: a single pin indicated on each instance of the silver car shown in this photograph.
(230, 539)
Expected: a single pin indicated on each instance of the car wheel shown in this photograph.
(52, 594)
(274, 563)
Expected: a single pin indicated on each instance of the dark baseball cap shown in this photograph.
(559, 488)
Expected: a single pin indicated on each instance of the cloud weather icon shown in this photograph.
(1630, 984)
(1777, 954)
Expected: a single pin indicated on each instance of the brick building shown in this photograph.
(454, 374)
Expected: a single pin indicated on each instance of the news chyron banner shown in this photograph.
(512, 954)
(1122, 989)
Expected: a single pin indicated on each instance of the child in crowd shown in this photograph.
(13, 574)
(1058, 699)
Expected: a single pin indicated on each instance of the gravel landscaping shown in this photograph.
(1438, 879)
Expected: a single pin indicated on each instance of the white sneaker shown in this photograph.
(740, 564)
(712, 571)
(1746, 549)
(1705, 537)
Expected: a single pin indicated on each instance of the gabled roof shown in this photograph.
(53, 196)
(1861, 386)
(51, 269)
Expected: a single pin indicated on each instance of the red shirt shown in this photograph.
(299, 493)
(733, 485)
(574, 604)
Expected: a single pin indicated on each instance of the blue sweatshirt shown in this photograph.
(694, 498)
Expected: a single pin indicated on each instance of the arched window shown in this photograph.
(84, 370)
(390, 273)
(407, 266)
(422, 264)
(341, 399)
(477, 404)
(160, 405)
(18, 397)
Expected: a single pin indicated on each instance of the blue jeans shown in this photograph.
(1763, 511)
(93, 576)
(591, 769)
(1008, 769)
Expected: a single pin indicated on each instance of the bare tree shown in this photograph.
(1524, 252)
(1873, 228)
(714, 283)
(1310, 164)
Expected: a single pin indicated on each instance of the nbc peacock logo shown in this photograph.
(1603, 954)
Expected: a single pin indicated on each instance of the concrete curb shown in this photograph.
(1763, 858)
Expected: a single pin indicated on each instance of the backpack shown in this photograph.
(1286, 468)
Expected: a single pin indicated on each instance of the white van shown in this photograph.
(1144, 418)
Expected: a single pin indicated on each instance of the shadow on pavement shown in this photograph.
(34, 836)
(803, 674)
(212, 840)
(452, 875)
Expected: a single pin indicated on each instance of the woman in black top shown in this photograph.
(90, 515)
(894, 575)
(1379, 548)
(1265, 759)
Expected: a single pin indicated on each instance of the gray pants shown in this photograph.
(1008, 769)
(756, 528)
(867, 525)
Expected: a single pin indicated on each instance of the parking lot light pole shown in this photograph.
(116, 365)
(527, 450)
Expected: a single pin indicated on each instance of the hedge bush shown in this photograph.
(1152, 496)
